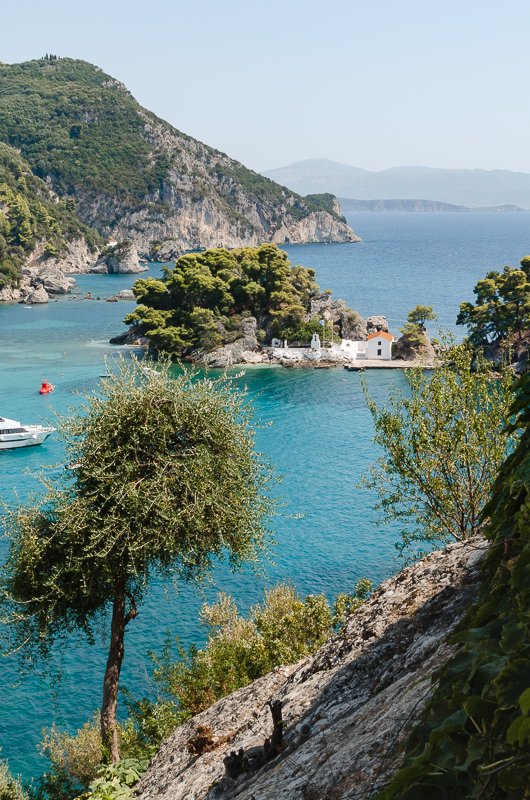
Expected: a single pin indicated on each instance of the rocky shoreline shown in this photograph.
(44, 278)
(247, 351)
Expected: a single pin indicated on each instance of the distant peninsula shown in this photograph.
(349, 206)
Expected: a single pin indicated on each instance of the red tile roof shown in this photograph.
(382, 335)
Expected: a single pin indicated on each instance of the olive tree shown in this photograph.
(164, 480)
(443, 441)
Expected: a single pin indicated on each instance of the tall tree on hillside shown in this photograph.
(502, 305)
(442, 445)
(166, 479)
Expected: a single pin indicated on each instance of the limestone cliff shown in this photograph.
(135, 177)
(346, 711)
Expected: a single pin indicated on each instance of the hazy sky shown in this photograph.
(375, 84)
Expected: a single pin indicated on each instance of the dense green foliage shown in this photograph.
(203, 300)
(414, 329)
(443, 443)
(420, 314)
(166, 480)
(474, 741)
(116, 781)
(77, 125)
(30, 215)
(502, 306)
(84, 130)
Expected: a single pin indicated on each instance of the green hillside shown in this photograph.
(30, 214)
(82, 128)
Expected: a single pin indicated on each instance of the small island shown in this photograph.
(250, 305)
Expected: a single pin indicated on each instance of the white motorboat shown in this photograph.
(13, 434)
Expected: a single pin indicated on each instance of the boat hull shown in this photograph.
(29, 440)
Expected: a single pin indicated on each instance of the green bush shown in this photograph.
(29, 214)
(474, 738)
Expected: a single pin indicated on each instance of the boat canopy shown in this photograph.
(8, 423)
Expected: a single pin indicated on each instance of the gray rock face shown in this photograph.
(50, 272)
(124, 294)
(132, 337)
(347, 711)
(415, 349)
(54, 281)
(118, 259)
(347, 323)
(202, 202)
(243, 351)
(37, 295)
(375, 323)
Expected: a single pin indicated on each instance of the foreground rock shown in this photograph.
(347, 711)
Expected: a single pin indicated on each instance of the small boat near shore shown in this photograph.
(14, 434)
(46, 388)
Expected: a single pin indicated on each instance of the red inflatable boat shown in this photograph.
(46, 388)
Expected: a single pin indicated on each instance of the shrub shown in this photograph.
(10, 788)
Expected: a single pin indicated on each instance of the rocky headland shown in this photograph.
(134, 177)
(347, 711)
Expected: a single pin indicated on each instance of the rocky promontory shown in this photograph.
(347, 711)
(138, 178)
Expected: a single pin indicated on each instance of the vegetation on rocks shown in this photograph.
(502, 306)
(29, 215)
(474, 741)
(201, 302)
(443, 443)
(280, 630)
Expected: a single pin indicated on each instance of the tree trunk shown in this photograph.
(109, 727)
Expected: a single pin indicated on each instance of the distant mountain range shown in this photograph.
(463, 187)
(349, 205)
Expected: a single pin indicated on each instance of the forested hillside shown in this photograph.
(32, 217)
(134, 176)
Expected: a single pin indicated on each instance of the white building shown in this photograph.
(379, 346)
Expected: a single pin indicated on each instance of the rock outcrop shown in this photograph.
(37, 285)
(415, 346)
(124, 294)
(245, 350)
(346, 323)
(53, 280)
(375, 323)
(76, 257)
(119, 258)
(346, 711)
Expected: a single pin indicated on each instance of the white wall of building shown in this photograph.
(379, 348)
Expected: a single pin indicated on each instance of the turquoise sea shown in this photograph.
(318, 439)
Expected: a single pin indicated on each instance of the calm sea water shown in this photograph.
(319, 439)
